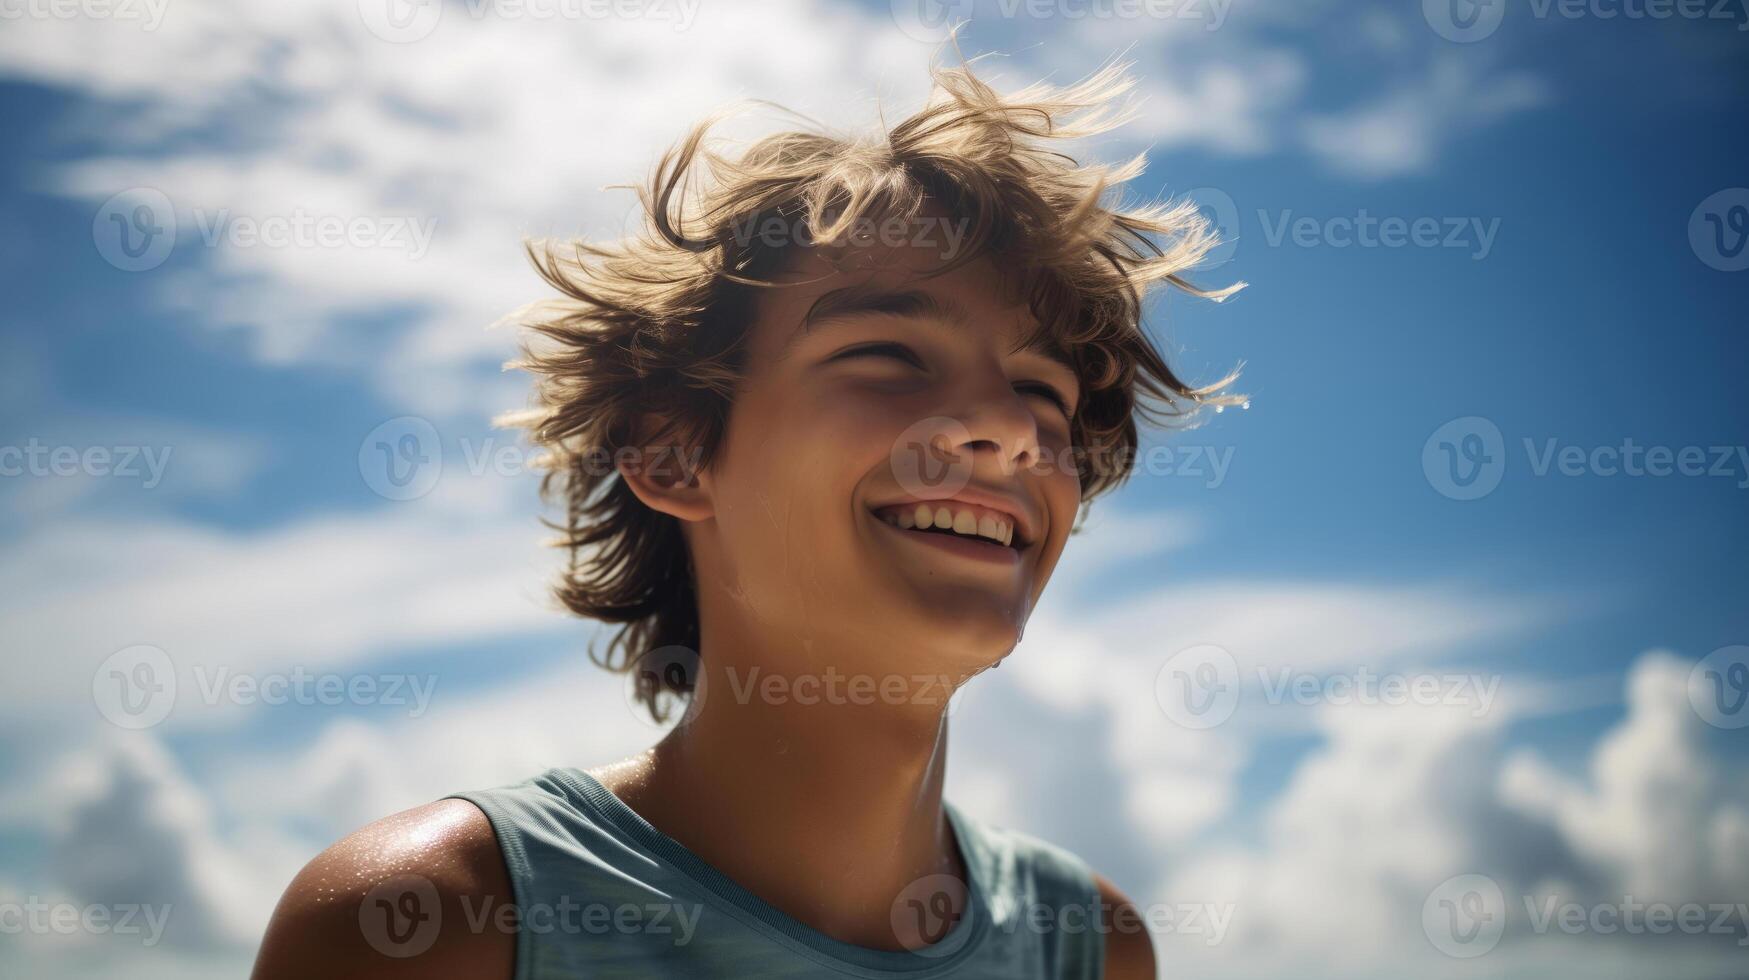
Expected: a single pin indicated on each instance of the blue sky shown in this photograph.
(1576, 155)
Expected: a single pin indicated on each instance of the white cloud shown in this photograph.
(1404, 130)
(1664, 816)
(495, 128)
(1399, 800)
(323, 594)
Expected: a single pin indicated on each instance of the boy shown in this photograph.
(821, 433)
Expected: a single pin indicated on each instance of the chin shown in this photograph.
(964, 645)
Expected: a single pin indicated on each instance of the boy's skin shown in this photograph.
(824, 810)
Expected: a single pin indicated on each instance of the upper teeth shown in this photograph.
(959, 520)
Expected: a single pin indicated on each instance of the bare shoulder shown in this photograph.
(1129, 952)
(423, 893)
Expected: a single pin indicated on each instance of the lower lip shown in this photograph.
(974, 548)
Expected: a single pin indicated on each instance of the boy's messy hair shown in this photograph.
(645, 348)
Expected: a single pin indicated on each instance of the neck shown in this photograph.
(826, 810)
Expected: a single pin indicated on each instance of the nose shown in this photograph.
(999, 427)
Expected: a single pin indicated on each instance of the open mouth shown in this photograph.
(953, 519)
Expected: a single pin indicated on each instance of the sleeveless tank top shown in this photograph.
(601, 893)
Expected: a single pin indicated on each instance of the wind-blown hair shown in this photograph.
(645, 347)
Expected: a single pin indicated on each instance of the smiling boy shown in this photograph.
(821, 434)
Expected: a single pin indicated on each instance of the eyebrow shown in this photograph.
(849, 302)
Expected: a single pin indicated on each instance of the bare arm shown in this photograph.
(423, 893)
(1129, 951)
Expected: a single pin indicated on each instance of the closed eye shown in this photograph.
(1049, 393)
(885, 349)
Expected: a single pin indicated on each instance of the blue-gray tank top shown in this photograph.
(601, 893)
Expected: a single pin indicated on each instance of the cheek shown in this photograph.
(792, 463)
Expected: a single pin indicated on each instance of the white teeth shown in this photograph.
(987, 526)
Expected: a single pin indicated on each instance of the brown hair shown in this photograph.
(650, 328)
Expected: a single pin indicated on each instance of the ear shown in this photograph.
(665, 472)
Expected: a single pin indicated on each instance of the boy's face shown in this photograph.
(901, 397)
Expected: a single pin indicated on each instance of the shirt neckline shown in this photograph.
(959, 943)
